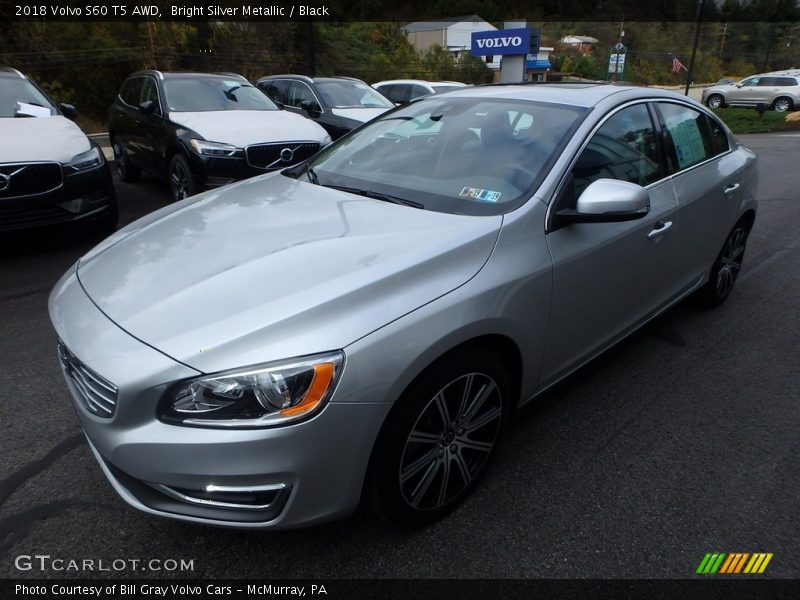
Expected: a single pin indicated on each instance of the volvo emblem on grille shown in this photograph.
(287, 154)
(5, 179)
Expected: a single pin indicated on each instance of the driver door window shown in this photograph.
(150, 94)
(298, 93)
(623, 148)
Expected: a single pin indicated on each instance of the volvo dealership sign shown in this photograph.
(503, 41)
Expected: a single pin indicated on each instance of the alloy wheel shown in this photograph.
(179, 179)
(730, 261)
(782, 105)
(715, 101)
(450, 442)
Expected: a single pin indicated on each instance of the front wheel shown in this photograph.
(181, 180)
(726, 268)
(439, 439)
(715, 101)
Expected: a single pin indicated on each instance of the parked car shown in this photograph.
(202, 131)
(366, 323)
(401, 91)
(50, 172)
(779, 90)
(339, 104)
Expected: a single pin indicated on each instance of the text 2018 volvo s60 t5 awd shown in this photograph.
(364, 324)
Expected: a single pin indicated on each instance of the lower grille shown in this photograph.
(282, 154)
(17, 218)
(18, 180)
(96, 394)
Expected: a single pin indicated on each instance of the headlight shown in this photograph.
(212, 148)
(86, 160)
(259, 396)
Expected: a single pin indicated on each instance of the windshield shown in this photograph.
(457, 155)
(351, 94)
(214, 93)
(16, 93)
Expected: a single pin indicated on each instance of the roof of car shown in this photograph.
(186, 74)
(10, 72)
(308, 79)
(575, 94)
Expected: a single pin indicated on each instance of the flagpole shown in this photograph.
(694, 48)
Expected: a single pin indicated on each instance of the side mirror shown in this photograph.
(68, 111)
(147, 107)
(312, 108)
(608, 201)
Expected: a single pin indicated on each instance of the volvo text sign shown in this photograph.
(503, 41)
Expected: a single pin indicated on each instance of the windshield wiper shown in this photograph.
(229, 93)
(376, 195)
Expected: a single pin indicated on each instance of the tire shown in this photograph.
(715, 101)
(126, 171)
(181, 180)
(726, 268)
(427, 459)
(782, 104)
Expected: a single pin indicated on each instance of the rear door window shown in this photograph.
(689, 139)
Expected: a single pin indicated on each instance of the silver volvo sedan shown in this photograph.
(363, 325)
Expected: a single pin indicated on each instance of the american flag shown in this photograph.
(677, 65)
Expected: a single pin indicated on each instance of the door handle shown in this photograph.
(731, 188)
(659, 229)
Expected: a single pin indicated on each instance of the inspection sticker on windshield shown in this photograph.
(479, 194)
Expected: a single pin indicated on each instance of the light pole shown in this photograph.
(690, 72)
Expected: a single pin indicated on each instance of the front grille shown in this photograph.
(18, 180)
(282, 154)
(96, 394)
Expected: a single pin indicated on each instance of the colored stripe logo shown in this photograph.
(734, 563)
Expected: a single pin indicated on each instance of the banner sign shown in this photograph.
(616, 63)
(500, 42)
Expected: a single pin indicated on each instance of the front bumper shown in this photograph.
(305, 473)
(82, 196)
(212, 172)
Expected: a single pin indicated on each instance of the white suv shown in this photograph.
(780, 90)
(401, 91)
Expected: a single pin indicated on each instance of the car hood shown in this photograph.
(53, 138)
(244, 127)
(273, 268)
(362, 115)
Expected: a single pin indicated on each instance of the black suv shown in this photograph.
(339, 104)
(203, 131)
(50, 172)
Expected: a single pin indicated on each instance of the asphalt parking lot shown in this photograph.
(680, 441)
